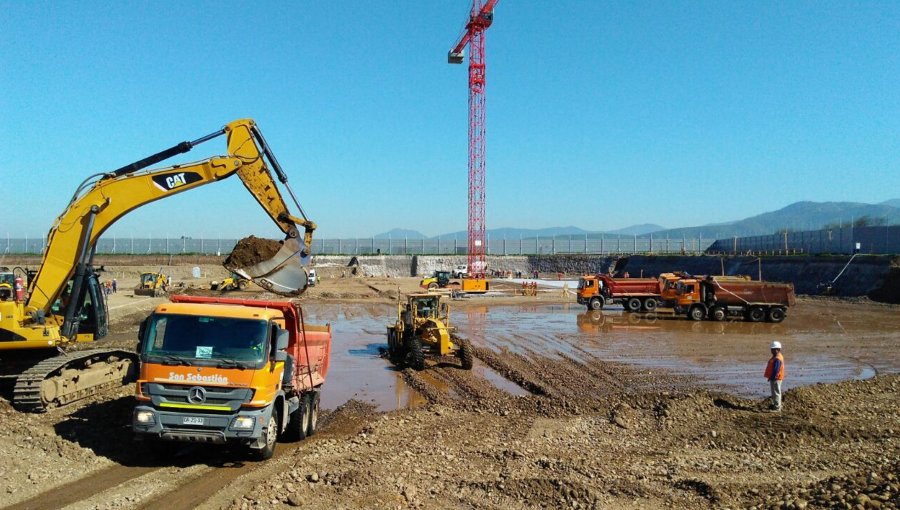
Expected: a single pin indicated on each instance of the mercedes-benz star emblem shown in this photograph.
(196, 395)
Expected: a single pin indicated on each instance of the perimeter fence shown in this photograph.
(388, 246)
(876, 240)
(839, 240)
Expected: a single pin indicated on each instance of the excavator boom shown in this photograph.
(115, 194)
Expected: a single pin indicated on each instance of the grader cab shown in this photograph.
(423, 330)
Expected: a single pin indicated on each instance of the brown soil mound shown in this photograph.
(250, 251)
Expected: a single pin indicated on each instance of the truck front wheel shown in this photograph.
(595, 304)
(697, 313)
(270, 437)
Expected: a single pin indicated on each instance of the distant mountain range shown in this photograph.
(797, 216)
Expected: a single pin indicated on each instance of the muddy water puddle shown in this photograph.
(824, 342)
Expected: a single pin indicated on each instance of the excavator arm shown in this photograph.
(99, 203)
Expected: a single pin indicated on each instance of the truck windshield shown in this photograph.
(206, 340)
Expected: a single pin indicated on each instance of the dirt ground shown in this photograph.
(580, 431)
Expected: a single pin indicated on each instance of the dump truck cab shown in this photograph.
(229, 371)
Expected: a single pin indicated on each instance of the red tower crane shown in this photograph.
(480, 18)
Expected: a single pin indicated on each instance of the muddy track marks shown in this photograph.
(82, 489)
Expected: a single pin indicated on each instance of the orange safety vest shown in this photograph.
(779, 376)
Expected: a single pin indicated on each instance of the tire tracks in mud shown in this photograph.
(182, 479)
(83, 488)
(567, 384)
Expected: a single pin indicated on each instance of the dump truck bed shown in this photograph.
(736, 293)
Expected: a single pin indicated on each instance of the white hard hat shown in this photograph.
(775, 345)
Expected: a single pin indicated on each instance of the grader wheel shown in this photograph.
(415, 358)
(466, 354)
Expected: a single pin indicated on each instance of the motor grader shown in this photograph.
(423, 329)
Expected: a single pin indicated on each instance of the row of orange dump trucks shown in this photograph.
(695, 297)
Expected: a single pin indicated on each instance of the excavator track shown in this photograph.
(71, 376)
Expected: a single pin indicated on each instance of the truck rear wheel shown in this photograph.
(776, 314)
(633, 304)
(650, 304)
(718, 314)
(696, 313)
(298, 422)
(313, 413)
(756, 314)
(595, 304)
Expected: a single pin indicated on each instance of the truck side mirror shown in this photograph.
(282, 340)
(142, 328)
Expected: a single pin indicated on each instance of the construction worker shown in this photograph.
(775, 374)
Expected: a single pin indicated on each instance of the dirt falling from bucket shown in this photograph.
(250, 251)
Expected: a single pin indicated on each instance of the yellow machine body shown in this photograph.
(475, 285)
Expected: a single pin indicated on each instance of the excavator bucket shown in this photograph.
(283, 274)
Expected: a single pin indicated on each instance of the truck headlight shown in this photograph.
(144, 417)
(243, 423)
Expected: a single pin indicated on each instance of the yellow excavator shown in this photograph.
(64, 305)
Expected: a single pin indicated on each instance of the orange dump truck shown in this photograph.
(719, 297)
(239, 371)
(635, 294)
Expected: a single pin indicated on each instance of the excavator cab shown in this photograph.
(90, 315)
(7, 283)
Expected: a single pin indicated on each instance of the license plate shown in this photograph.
(190, 420)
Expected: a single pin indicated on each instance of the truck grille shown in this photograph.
(214, 396)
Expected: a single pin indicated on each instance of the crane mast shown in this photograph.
(480, 18)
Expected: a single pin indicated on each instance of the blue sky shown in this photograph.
(600, 115)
